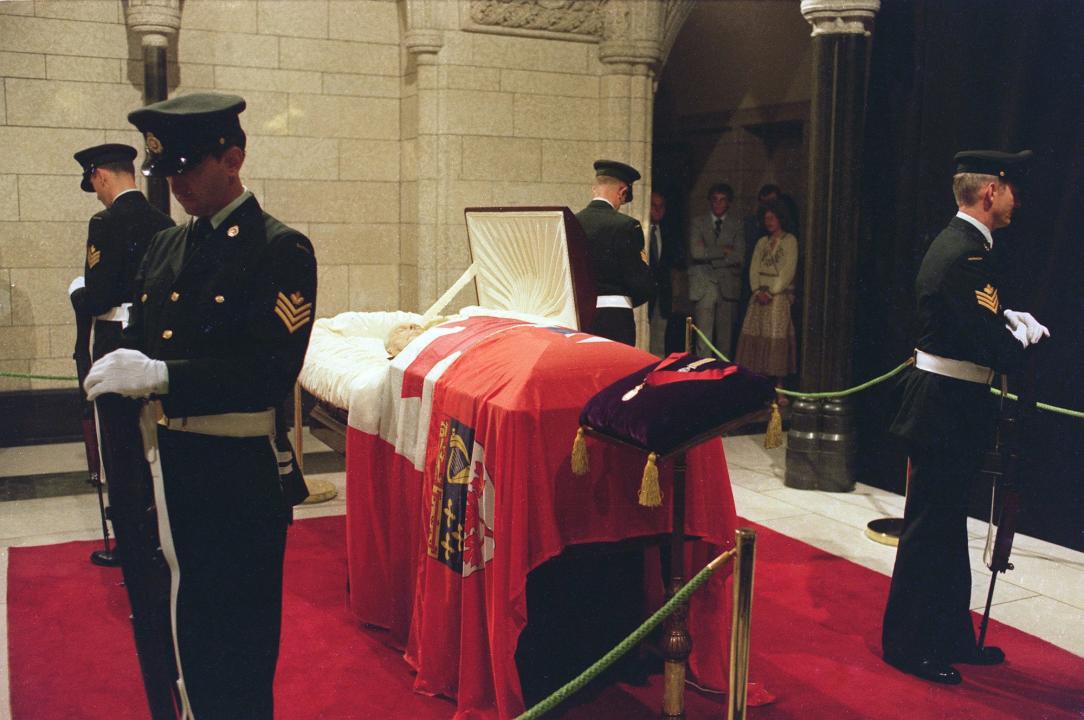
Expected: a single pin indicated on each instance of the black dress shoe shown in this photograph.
(989, 655)
(928, 669)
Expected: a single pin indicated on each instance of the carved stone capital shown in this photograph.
(840, 17)
(633, 32)
(423, 41)
(155, 20)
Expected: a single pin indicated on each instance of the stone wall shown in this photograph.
(323, 84)
(372, 125)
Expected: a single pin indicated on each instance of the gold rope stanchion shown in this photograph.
(741, 623)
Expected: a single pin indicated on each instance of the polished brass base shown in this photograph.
(885, 531)
(319, 491)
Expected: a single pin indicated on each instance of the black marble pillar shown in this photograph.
(821, 453)
(155, 89)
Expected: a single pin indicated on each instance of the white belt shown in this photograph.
(117, 314)
(240, 424)
(614, 301)
(959, 369)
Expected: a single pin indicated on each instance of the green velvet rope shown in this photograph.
(879, 379)
(28, 376)
(576, 684)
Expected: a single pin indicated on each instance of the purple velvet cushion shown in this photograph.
(668, 404)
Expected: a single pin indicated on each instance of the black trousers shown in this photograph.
(928, 613)
(616, 324)
(228, 524)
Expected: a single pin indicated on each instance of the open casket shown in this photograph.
(458, 463)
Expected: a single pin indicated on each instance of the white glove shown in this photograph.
(76, 284)
(129, 373)
(1035, 331)
(1019, 331)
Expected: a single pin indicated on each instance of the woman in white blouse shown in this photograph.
(767, 345)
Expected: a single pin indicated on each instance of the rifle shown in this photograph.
(1002, 465)
(84, 325)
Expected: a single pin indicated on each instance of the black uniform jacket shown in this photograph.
(232, 321)
(117, 237)
(959, 311)
(614, 243)
(672, 258)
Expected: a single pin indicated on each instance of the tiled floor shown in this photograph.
(1044, 595)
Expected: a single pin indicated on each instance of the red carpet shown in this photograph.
(816, 628)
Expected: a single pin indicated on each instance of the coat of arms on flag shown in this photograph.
(460, 502)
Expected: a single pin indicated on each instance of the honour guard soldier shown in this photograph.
(218, 333)
(947, 420)
(116, 240)
(615, 247)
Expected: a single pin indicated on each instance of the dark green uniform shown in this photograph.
(614, 244)
(947, 424)
(230, 314)
(117, 237)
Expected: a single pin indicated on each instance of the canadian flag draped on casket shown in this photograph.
(459, 483)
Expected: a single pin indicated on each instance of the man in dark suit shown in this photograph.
(665, 256)
(117, 237)
(218, 334)
(947, 420)
(615, 247)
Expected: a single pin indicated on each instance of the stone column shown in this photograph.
(420, 267)
(821, 441)
(155, 21)
(634, 33)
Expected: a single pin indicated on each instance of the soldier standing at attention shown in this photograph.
(947, 420)
(615, 247)
(218, 334)
(117, 237)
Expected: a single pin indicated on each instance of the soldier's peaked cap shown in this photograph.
(94, 157)
(1010, 167)
(625, 173)
(183, 130)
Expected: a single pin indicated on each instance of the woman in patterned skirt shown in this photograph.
(767, 345)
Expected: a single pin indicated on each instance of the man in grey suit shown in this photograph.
(716, 257)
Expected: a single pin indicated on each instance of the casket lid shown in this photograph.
(532, 260)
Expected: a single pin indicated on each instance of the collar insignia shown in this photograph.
(233, 231)
(293, 310)
(987, 298)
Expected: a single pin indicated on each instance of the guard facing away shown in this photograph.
(947, 419)
(217, 333)
(615, 246)
(116, 240)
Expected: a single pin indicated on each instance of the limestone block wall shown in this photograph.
(369, 129)
(323, 84)
(492, 120)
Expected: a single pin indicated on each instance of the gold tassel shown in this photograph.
(773, 438)
(579, 454)
(650, 492)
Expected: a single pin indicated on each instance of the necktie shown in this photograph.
(653, 253)
(200, 231)
(718, 227)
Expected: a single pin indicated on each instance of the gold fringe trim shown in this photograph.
(773, 438)
(650, 492)
(579, 454)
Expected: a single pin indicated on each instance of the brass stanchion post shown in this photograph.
(677, 643)
(740, 624)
